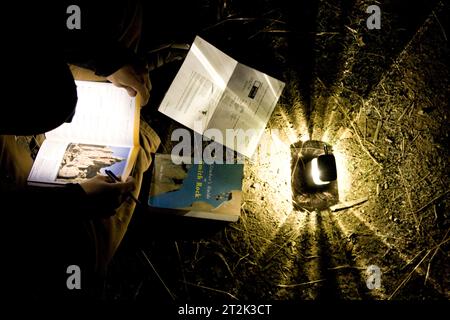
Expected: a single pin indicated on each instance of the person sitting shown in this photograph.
(48, 229)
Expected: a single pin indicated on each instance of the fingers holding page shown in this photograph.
(134, 82)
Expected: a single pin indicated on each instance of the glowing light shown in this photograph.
(272, 163)
(344, 173)
(315, 173)
(305, 137)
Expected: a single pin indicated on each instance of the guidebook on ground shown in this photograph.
(213, 93)
(209, 191)
(103, 134)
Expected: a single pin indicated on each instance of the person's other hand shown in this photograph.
(105, 194)
(134, 81)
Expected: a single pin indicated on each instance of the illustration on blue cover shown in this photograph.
(198, 187)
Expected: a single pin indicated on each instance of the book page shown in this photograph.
(198, 85)
(104, 115)
(61, 162)
(246, 104)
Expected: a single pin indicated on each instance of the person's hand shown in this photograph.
(134, 81)
(105, 194)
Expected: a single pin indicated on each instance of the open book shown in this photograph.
(103, 134)
(196, 190)
(212, 94)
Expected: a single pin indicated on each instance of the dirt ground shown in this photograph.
(380, 98)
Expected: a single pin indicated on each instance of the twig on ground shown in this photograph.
(246, 233)
(346, 266)
(256, 236)
(294, 235)
(358, 135)
(430, 202)
(404, 112)
(225, 262)
(181, 265)
(440, 25)
(228, 241)
(414, 258)
(157, 274)
(197, 248)
(408, 197)
(377, 131)
(138, 289)
(432, 257)
(312, 257)
(239, 261)
(241, 257)
(348, 204)
(408, 276)
(299, 284)
(212, 289)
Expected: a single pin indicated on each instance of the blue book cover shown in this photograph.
(210, 191)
